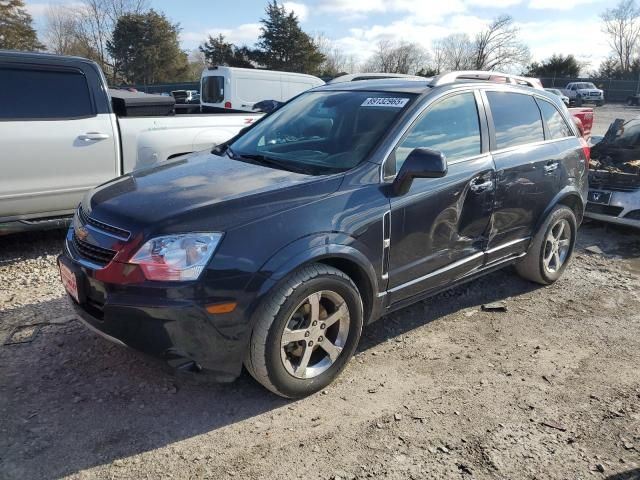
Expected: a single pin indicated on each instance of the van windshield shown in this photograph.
(321, 132)
(213, 89)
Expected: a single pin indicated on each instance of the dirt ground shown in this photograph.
(549, 389)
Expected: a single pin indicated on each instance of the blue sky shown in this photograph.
(547, 26)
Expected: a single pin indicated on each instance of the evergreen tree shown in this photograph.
(218, 51)
(146, 50)
(284, 46)
(16, 29)
(555, 66)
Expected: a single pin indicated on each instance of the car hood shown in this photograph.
(202, 192)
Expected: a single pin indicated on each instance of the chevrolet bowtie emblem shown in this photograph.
(82, 233)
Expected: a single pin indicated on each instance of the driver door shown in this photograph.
(439, 229)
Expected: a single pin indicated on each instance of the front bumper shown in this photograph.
(621, 204)
(163, 321)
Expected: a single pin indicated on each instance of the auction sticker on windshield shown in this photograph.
(393, 102)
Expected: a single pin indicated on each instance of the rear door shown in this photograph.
(438, 229)
(527, 170)
(55, 144)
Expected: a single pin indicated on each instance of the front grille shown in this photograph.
(115, 231)
(98, 255)
(604, 209)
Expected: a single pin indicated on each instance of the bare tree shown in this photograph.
(336, 61)
(498, 46)
(61, 29)
(455, 52)
(63, 32)
(622, 25)
(97, 21)
(392, 57)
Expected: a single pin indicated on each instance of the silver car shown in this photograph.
(562, 96)
(614, 179)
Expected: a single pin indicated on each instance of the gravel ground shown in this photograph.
(549, 389)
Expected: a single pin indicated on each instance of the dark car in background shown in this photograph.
(351, 201)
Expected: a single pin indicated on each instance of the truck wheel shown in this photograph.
(629, 102)
(578, 102)
(306, 332)
(600, 103)
(551, 248)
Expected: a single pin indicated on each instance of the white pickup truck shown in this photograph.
(580, 93)
(61, 137)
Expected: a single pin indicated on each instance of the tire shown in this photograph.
(578, 102)
(629, 102)
(534, 265)
(599, 103)
(297, 309)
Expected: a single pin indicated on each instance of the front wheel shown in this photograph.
(551, 248)
(306, 332)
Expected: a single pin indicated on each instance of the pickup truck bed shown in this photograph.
(60, 141)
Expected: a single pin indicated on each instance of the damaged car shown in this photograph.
(614, 177)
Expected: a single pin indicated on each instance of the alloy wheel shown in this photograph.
(557, 246)
(315, 334)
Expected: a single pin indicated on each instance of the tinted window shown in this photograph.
(516, 118)
(43, 94)
(450, 126)
(213, 89)
(556, 125)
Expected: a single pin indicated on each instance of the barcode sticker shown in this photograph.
(393, 102)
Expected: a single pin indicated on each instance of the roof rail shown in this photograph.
(488, 76)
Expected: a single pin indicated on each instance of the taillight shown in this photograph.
(586, 149)
(227, 105)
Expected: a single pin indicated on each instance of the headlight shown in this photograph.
(176, 257)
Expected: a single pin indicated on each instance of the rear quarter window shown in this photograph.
(43, 94)
(556, 125)
(516, 119)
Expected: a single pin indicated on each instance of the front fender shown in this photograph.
(315, 248)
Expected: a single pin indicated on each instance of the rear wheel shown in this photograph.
(306, 332)
(551, 248)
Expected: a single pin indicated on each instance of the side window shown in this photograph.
(516, 118)
(43, 94)
(556, 125)
(450, 125)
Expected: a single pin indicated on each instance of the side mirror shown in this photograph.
(421, 163)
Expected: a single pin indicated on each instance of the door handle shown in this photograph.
(481, 187)
(551, 167)
(90, 136)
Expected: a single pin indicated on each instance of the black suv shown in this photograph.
(350, 201)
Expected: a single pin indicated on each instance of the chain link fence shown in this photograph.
(614, 90)
(167, 87)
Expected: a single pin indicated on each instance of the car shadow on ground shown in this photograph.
(628, 475)
(79, 401)
(17, 247)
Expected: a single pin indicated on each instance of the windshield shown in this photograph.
(322, 132)
(213, 89)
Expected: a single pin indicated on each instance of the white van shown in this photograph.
(237, 89)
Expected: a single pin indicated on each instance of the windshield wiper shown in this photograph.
(268, 161)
